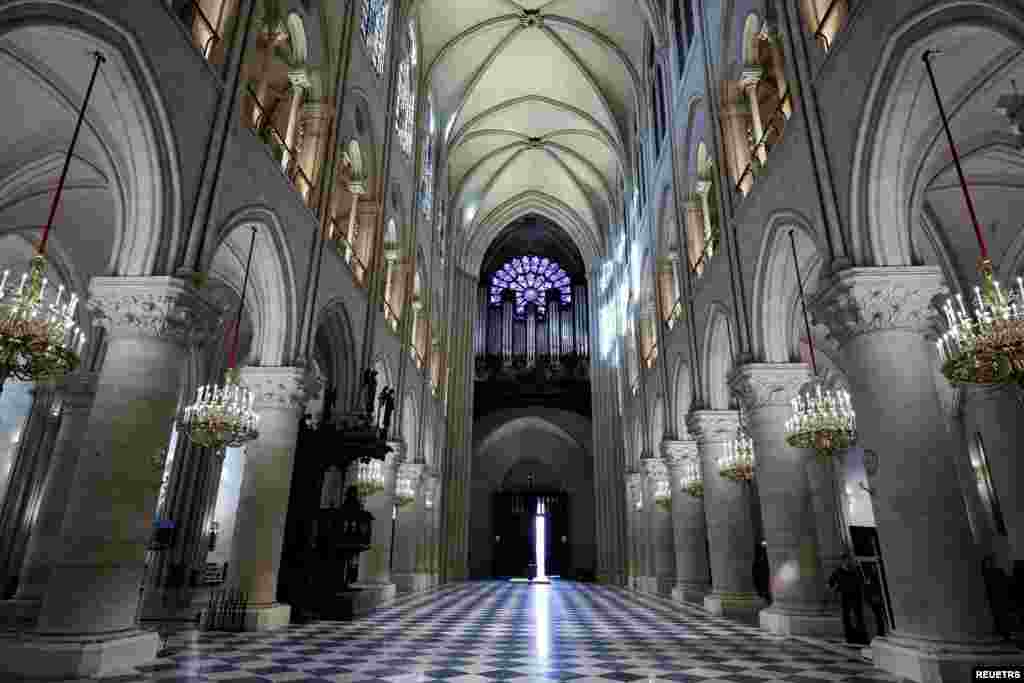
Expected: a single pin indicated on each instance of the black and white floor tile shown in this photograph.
(491, 632)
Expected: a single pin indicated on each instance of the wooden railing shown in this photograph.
(266, 130)
(775, 124)
(819, 34)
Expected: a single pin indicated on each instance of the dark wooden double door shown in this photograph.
(514, 524)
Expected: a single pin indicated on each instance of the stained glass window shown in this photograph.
(530, 278)
(406, 109)
(374, 28)
(427, 179)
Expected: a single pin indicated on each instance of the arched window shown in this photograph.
(427, 179)
(530, 277)
(374, 28)
(405, 112)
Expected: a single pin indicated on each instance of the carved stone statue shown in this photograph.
(370, 389)
(387, 398)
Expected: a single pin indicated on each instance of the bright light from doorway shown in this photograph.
(539, 549)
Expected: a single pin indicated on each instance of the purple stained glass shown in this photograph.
(530, 277)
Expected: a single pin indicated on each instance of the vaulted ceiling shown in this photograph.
(536, 101)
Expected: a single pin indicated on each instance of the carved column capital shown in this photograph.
(713, 426)
(761, 385)
(654, 468)
(299, 79)
(676, 453)
(163, 307)
(280, 388)
(866, 300)
(635, 488)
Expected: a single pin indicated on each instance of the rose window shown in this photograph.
(530, 278)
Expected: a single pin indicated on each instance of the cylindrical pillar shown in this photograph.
(943, 625)
(799, 598)
(693, 575)
(76, 393)
(408, 532)
(281, 394)
(659, 521)
(730, 524)
(86, 623)
(995, 430)
(374, 565)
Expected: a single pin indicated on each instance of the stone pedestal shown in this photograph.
(944, 625)
(730, 525)
(800, 604)
(86, 623)
(281, 392)
(76, 393)
(693, 576)
(995, 413)
(661, 551)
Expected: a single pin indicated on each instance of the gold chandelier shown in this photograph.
(737, 463)
(823, 418)
(38, 334)
(222, 415)
(692, 481)
(983, 345)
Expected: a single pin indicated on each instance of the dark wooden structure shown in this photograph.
(318, 560)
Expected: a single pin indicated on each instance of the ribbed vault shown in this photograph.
(536, 102)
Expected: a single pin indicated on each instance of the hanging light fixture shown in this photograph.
(823, 418)
(984, 345)
(369, 477)
(737, 463)
(692, 481)
(38, 334)
(404, 491)
(222, 415)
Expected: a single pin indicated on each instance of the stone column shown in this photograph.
(749, 81)
(799, 594)
(659, 522)
(689, 527)
(86, 624)
(33, 450)
(736, 131)
(994, 413)
(408, 532)
(730, 524)
(635, 500)
(356, 190)
(943, 622)
(703, 188)
(281, 393)
(76, 393)
(414, 337)
(300, 83)
(316, 118)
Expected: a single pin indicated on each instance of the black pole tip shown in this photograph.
(928, 54)
(100, 57)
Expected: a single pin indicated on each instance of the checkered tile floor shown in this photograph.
(490, 632)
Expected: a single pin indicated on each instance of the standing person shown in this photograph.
(846, 580)
(873, 592)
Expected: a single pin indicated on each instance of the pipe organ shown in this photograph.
(557, 329)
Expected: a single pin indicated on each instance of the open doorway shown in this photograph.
(531, 534)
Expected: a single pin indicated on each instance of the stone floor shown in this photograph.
(510, 632)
